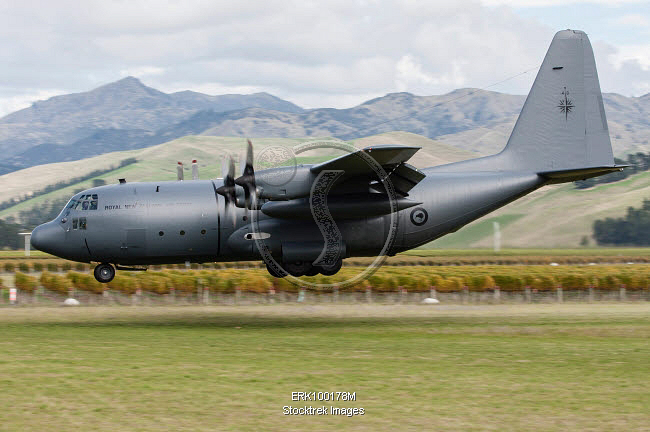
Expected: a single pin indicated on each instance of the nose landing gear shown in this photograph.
(104, 272)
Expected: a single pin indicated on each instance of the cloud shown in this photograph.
(142, 71)
(632, 20)
(330, 53)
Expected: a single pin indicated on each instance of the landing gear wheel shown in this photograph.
(274, 273)
(297, 269)
(313, 271)
(104, 273)
(331, 271)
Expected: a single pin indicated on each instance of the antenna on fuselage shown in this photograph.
(195, 170)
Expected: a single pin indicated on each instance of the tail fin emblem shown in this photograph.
(566, 104)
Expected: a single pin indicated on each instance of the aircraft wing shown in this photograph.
(358, 191)
(392, 159)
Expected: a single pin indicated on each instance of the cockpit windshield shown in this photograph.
(82, 202)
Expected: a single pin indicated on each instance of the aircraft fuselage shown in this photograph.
(174, 222)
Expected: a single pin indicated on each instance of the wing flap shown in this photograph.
(354, 164)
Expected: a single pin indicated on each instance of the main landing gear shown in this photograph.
(104, 272)
(305, 268)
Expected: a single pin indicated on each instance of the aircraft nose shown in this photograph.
(48, 237)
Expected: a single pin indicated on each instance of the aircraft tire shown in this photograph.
(331, 271)
(297, 269)
(104, 273)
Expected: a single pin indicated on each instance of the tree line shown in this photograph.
(632, 229)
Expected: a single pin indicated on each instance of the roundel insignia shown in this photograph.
(419, 216)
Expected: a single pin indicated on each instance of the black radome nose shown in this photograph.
(48, 237)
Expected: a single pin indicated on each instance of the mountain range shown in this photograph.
(127, 115)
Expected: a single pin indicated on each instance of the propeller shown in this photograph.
(247, 179)
(228, 189)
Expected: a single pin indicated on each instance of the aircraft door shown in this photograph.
(134, 242)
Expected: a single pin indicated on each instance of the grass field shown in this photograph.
(529, 367)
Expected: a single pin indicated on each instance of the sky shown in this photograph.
(322, 53)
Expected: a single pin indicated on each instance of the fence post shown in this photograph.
(272, 295)
(336, 294)
(560, 296)
(528, 294)
(465, 299)
(497, 294)
(301, 295)
(368, 294)
(237, 295)
(206, 296)
(199, 290)
(591, 294)
(622, 293)
(432, 293)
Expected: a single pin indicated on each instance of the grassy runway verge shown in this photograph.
(526, 367)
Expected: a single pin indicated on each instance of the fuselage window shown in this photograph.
(82, 223)
(75, 223)
(93, 205)
(85, 205)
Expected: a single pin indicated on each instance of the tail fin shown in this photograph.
(562, 126)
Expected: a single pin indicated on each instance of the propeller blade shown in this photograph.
(228, 190)
(247, 179)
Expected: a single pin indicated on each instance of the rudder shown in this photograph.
(562, 125)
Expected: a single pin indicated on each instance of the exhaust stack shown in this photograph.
(195, 170)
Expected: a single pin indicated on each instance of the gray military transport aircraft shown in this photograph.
(560, 136)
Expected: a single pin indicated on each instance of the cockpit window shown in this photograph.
(85, 202)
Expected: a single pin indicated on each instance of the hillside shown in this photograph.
(117, 116)
(159, 163)
(129, 115)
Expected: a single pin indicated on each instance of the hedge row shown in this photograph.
(387, 279)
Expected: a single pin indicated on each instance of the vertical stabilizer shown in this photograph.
(562, 125)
